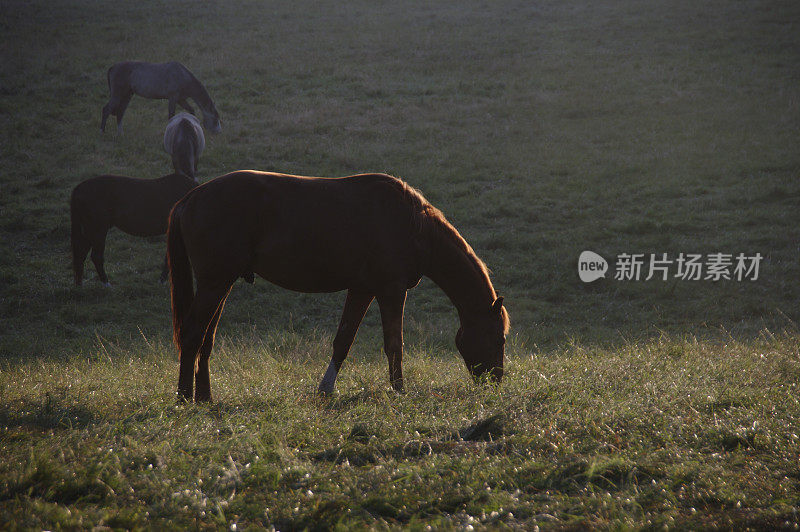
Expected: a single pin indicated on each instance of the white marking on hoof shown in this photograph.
(328, 380)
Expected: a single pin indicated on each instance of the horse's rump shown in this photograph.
(184, 128)
(119, 77)
(184, 141)
(139, 207)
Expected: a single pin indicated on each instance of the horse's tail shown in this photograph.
(108, 76)
(80, 243)
(183, 162)
(180, 273)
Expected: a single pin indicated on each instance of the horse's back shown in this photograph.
(136, 206)
(103, 187)
(309, 198)
(304, 233)
(156, 80)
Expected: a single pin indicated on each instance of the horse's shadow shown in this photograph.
(346, 402)
(48, 414)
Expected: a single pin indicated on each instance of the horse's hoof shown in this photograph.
(106, 285)
(182, 400)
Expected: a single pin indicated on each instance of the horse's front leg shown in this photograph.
(106, 112)
(120, 111)
(171, 106)
(392, 304)
(355, 306)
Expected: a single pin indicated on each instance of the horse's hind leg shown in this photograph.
(98, 242)
(355, 306)
(171, 107)
(106, 111)
(80, 246)
(391, 305)
(111, 108)
(196, 328)
(202, 376)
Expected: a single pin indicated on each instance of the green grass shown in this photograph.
(541, 130)
(672, 432)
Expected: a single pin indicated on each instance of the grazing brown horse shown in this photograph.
(161, 81)
(184, 142)
(139, 207)
(372, 235)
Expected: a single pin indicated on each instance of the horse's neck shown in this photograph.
(200, 95)
(460, 276)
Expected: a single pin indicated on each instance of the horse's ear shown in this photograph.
(498, 304)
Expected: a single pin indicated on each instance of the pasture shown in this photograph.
(541, 130)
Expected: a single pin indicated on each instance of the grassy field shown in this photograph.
(541, 130)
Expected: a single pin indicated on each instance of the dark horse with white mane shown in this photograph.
(161, 81)
(139, 207)
(372, 235)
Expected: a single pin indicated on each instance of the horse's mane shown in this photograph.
(431, 224)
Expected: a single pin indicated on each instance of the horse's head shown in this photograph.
(211, 119)
(481, 340)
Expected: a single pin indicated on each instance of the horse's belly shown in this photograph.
(149, 91)
(306, 261)
(145, 227)
(153, 87)
(302, 278)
